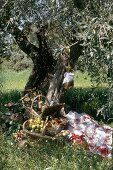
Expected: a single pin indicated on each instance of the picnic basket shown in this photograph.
(45, 112)
(37, 136)
(33, 103)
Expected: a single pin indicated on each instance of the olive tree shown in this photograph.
(50, 29)
(96, 31)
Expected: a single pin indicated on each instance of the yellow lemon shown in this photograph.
(33, 126)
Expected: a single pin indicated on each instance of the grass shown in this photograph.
(12, 80)
(84, 80)
(44, 155)
(49, 156)
(8, 96)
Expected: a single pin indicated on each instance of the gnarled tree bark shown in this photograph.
(55, 90)
(44, 63)
(43, 60)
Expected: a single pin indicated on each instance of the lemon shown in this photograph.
(33, 126)
(41, 125)
(31, 120)
(38, 126)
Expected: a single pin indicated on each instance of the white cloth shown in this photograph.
(68, 77)
(98, 137)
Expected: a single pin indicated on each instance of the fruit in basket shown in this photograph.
(38, 120)
(31, 121)
(36, 125)
(51, 126)
(33, 126)
(55, 126)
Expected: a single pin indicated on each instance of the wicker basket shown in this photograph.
(34, 104)
(41, 102)
(68, 85)
(50, 110)
(36, 136)
(44, 112)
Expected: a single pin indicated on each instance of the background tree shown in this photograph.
(97, 37)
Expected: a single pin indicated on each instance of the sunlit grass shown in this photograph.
(12, 80)
(84, 80)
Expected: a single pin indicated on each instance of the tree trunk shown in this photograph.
(55, 90)
(43, 61)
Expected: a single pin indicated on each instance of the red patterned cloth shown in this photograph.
(83, 127)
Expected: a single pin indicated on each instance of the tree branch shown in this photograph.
(4, 5)
(41, 38)
(22, 41)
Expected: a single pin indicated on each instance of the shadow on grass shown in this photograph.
(89, 100)
(11, 96)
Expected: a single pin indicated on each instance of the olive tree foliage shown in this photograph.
(30, 16)
(96, 30)
(53, 15)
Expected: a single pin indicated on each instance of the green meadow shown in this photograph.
(43, 155)
(12, 80)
